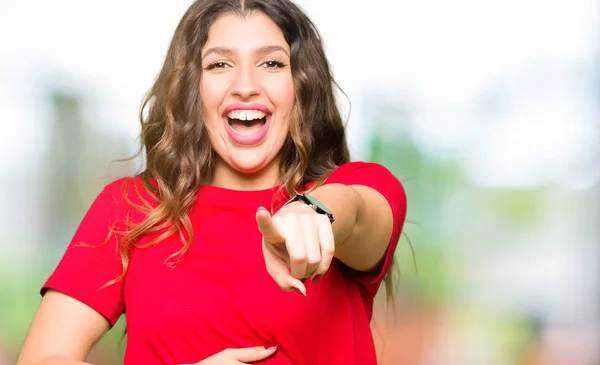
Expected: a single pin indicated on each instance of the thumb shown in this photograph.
(266, 226)
(250, 354)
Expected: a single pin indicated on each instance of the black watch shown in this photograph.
(312, 202)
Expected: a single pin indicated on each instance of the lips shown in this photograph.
(247, 124)
(252, 106)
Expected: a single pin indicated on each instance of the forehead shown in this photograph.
(252, 31)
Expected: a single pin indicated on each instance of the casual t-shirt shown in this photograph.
(220, 295)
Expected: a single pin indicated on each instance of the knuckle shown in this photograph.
(313, 260)
(328, 251)
(282, 284)
(298, 258)
(275, 275)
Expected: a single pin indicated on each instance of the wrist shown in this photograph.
(314, 204)
(345, 202)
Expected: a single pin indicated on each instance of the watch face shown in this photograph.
(317, 204)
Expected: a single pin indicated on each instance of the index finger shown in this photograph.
(267, 228)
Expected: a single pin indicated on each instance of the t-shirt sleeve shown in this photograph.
(383, 181)
(91, 261)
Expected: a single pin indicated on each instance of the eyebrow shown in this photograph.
(229, 51)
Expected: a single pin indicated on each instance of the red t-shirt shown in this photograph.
(220, 295)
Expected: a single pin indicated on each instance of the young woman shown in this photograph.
(211, 252)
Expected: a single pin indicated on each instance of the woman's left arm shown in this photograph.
(363, 223)
(299, 243)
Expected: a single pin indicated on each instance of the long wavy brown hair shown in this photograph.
(178, 153)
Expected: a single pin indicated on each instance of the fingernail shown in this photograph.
(316, 278)
(262, 208)
(297, 291)
(271, 347)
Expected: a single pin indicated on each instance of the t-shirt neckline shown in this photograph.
(241, 199)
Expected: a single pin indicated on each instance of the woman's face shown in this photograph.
(247, 92)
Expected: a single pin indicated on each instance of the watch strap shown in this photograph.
(312, 202)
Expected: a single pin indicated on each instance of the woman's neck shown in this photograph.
(230, 178)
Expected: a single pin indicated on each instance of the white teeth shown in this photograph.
(246, 114)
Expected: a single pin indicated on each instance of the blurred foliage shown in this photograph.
(427, 182)
(448, 215)
(63, 163)
(74, 170)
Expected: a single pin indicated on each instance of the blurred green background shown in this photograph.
(488, 112)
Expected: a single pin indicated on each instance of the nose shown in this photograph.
(246, 83)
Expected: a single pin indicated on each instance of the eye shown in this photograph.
(217, 65)
(273, 64)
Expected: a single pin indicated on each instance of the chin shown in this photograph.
(247, 168)
(250, 163)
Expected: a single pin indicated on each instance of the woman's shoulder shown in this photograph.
(124, 183)
(358, 168)
(125, 191)
(370, 174)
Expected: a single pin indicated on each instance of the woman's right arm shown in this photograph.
(62, 332)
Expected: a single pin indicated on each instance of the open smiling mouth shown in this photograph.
(246, 122)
